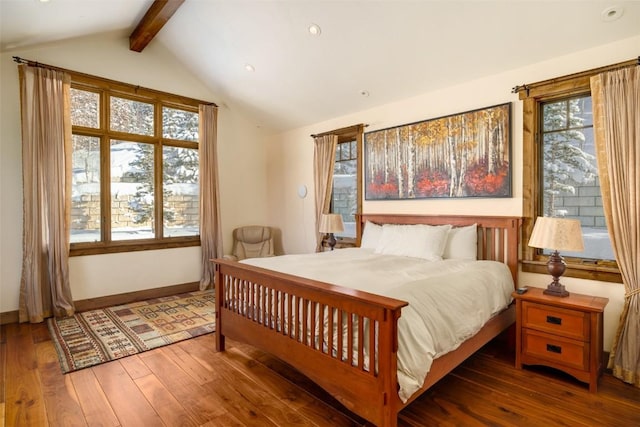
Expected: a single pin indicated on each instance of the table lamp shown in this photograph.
(329, 224)
(557, 234)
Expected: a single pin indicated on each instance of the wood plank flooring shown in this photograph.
(188, 384)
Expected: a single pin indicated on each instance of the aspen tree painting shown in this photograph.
(461, 155)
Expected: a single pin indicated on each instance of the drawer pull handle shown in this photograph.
(554, 348)
(554, 320)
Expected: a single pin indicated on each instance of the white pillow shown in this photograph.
(418, 241)
(462, 243)
(370, 235)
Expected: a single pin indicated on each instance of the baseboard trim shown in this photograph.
(9, 317)
(110, 300)
(129, 297)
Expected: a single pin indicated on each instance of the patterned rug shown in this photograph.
(98, 336)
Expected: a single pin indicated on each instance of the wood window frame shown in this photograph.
(159, 100)
(533, 96)
(348, 134)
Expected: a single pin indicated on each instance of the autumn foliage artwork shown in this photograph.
(462, 155)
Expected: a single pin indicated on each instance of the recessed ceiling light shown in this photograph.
(250, 68)
(315, 30)
(612, 13)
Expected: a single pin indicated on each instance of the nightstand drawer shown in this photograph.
(567, 323)
(563, 351)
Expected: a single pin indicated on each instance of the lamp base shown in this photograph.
(331, 240)
(556, 267)
(556, 290)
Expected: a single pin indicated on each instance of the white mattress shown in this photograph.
(449, 301)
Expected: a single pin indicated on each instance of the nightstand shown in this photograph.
(561, 332)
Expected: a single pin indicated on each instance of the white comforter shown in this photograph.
(449, 301)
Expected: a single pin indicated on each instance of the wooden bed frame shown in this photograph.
(279, 314)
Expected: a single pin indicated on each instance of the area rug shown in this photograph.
(97, 336)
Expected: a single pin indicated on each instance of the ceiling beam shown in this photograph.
(152, 22)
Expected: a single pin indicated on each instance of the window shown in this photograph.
(570, 186)
(346, 197)
(135, 169)
(561, 175)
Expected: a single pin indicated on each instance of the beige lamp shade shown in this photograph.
(560, 234)
(331, 223)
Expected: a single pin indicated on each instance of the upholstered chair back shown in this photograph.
(253, 241)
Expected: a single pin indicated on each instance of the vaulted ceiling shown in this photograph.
(260, 54)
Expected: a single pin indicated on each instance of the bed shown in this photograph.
(345, 339)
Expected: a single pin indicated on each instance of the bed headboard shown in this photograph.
(498, 236)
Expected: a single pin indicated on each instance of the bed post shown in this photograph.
(388, 356)
(219, 288)
(512, 248)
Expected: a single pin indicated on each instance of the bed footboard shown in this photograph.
(344, 340)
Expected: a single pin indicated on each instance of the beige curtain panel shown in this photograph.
(323, 162)
(210, 228)
(46, 166)
(616, 110)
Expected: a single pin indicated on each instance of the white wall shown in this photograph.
(290, 159)
(242, 167)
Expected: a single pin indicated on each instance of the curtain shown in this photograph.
(46, 166)
(616, 110)
(323, 162)
(210, 227)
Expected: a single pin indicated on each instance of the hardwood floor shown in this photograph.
(188, 384)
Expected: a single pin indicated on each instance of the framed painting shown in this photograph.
(462, 155)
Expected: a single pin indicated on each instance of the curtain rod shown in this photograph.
(339, 131)
(31, 63)
(619, 65)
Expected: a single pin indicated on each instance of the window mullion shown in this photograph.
(105, 187)
(105, 169)
(157, 175)
(158, 190)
